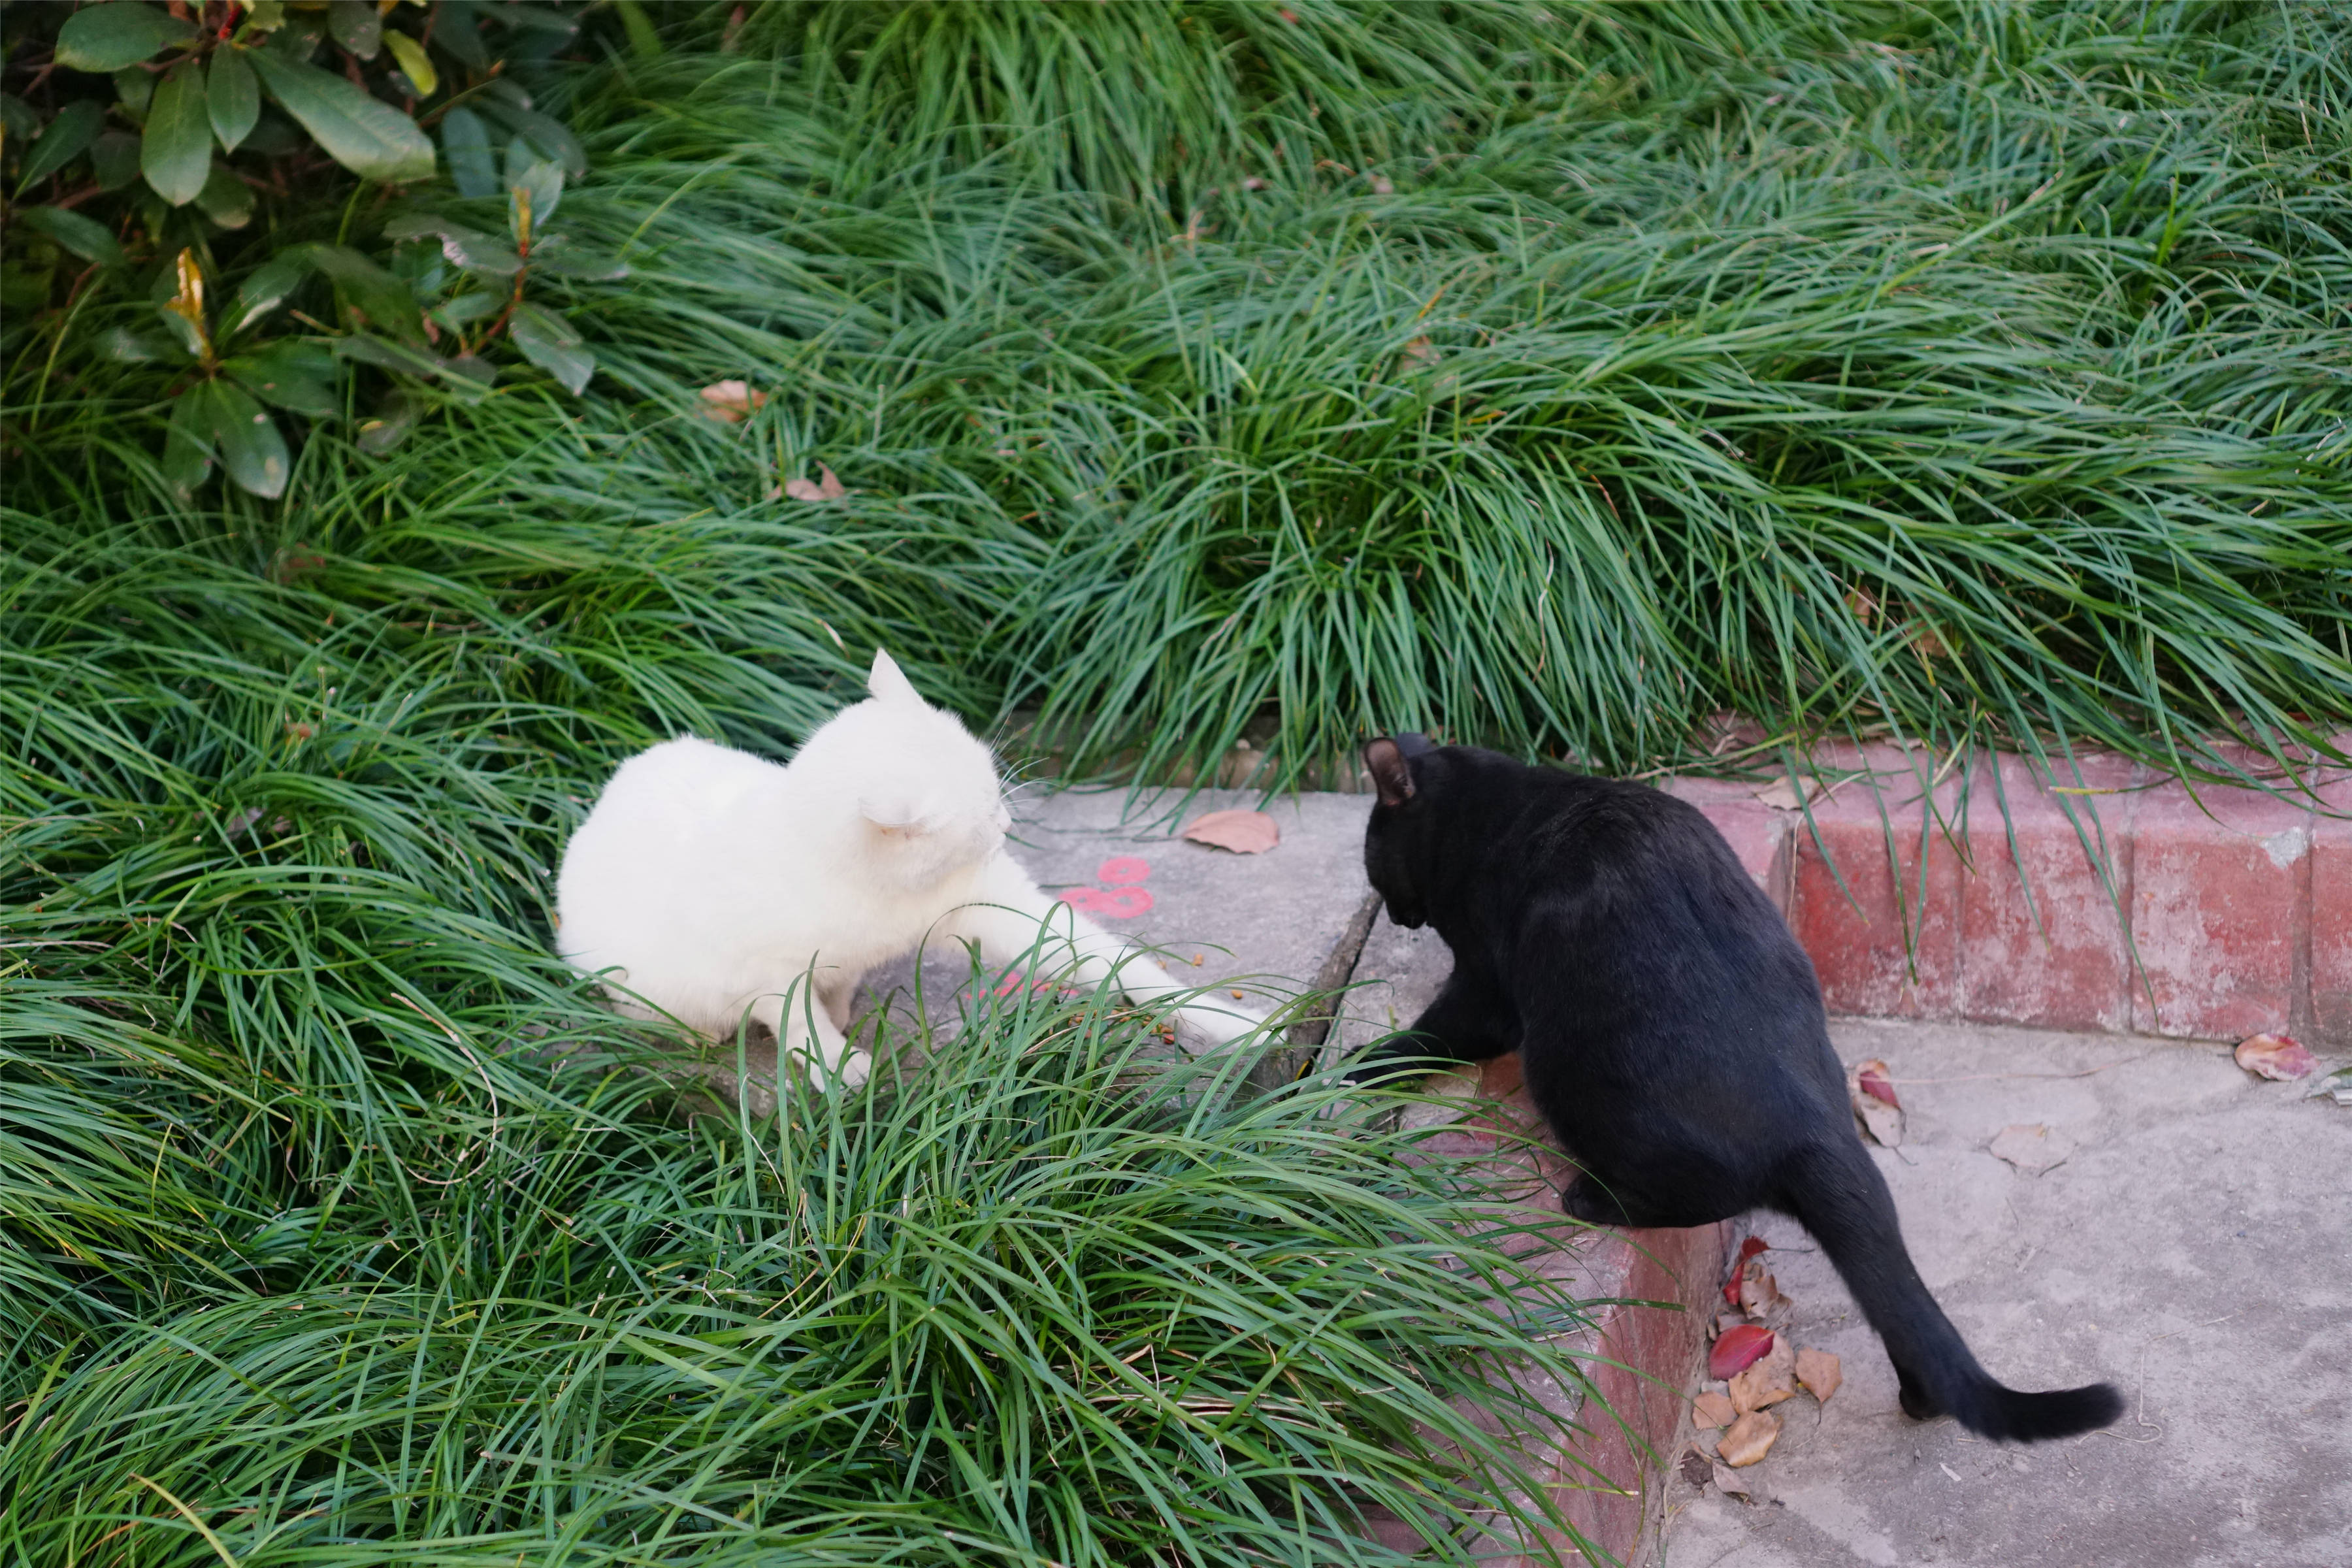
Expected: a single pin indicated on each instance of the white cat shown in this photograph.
(709, 881)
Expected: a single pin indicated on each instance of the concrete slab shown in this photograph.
(2195, 1248)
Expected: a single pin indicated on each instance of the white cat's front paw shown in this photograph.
(852, 1071)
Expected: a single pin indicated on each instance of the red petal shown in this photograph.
(1739, 1348)
(1875, 1084)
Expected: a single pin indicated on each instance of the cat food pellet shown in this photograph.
(1237, 995)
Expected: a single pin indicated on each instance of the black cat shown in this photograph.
(1671, 1027)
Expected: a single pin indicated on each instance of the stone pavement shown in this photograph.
(2195, 1248)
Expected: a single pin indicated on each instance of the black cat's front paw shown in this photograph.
(1582, 1200)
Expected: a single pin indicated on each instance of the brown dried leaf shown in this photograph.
(1421, 351)
(1820, 1372)
(1786, 794)
(825, 488)
(2278, 1056)
(1768, 1381)
(1242, 832)
(1730, 1483)
(2031, 1147)
(1759, 1293)
(729, 400)
(1871, 1090)
(1711, 1410)
(1750, 1438)
(1695, 1467)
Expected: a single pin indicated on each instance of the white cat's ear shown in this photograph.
(888, 683)
(891, 813)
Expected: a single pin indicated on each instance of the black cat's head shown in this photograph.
(1400, 840)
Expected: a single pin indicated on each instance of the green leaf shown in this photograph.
(555, 253)
(18, 119)
(85, 237)
(387, 355)
(357, 26)
(532, 195)
(292, 372)
(548, 340)
(226, 199)
(458, 32)
(114, 159)
(265, 289)
(188, 440)
(550, 136)
(108, 38)
(463, 247)
(249, 442)
(75, 128)
(231, 96)
(467, 307)
(127, 347)
(176, 153)
(380, 299)
(466, 145)
(644, 41)
(136, 88)
(366, 136)
(415, 63)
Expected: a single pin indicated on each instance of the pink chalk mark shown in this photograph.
(1121, 870)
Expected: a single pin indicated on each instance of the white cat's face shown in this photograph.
(927, 800)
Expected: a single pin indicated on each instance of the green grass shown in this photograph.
(1555, 376)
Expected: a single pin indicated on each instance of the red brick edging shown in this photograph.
(2235, 904)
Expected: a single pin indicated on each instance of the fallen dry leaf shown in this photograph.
(1726, 1322)
(1737, 1349)
(1696, 1469)
(1784, 796)
(1760, 1294)
(1731, 1484)
(1870, 1089)
(1711, 1410)
(1767, 1380)
(1242, 832)
(2279, 1057)
(1421, 351)
(1819, 1372)
(824, 488)
(1750, 1438)
(2031, 1147)
(729, 400)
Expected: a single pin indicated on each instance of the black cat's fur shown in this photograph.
(1671, 1028)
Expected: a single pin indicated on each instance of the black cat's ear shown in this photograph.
(1412, 744)
(1390, 777)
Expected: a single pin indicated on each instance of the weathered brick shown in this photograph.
(2071, 970)
(2331, 909)
(1858, 945)
(2217, 905)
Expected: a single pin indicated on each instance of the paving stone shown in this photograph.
(2072, 968)
(2218, 909)
(2195, 1251)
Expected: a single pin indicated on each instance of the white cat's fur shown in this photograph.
(709, 881)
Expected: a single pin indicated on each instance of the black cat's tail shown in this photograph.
(1841, 1197)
